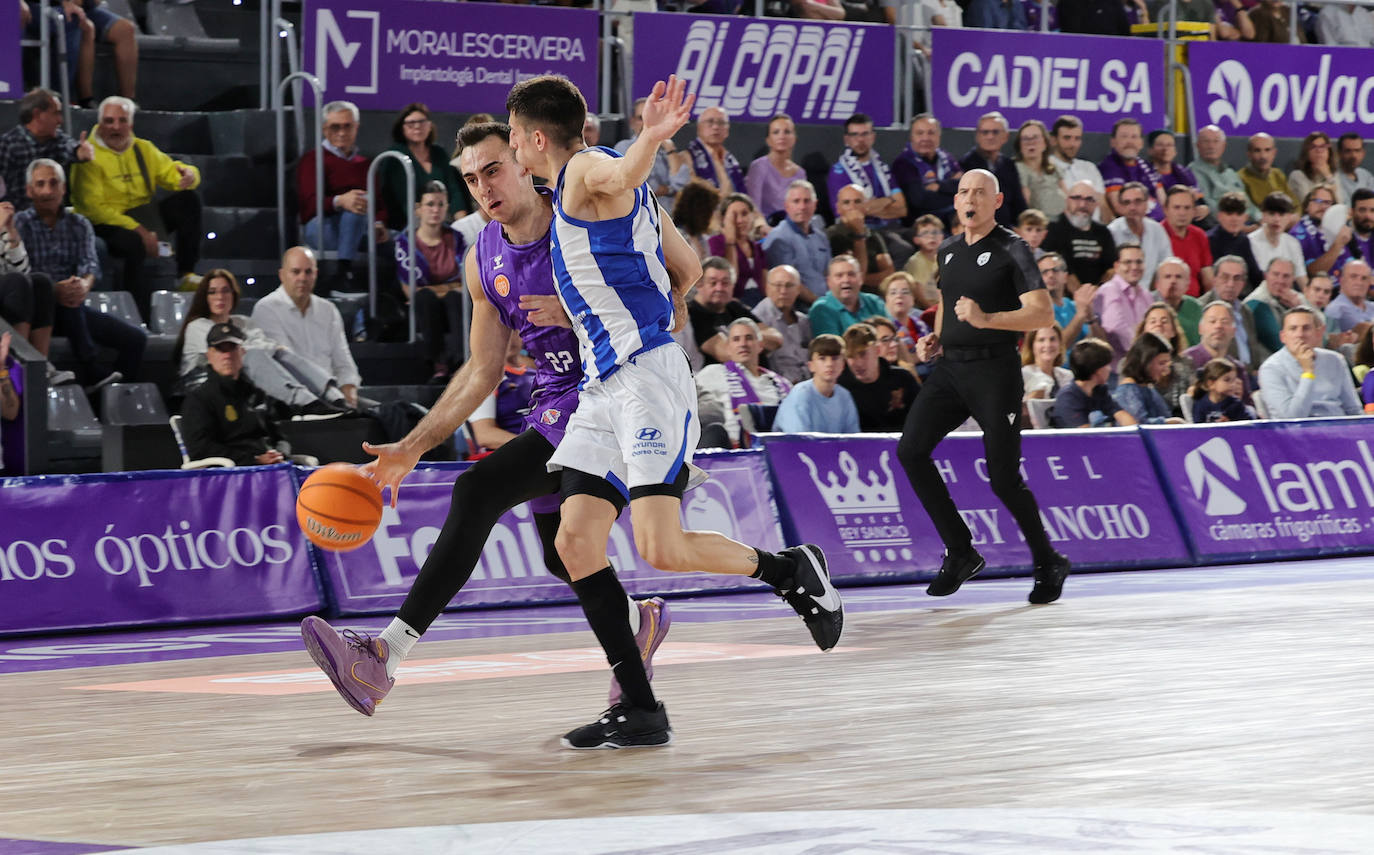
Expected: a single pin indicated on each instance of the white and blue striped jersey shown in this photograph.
(613, 282)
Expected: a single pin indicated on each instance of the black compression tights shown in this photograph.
(512, 474)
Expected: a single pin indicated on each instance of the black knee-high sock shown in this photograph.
(608, 611)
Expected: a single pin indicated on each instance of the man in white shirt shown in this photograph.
(779, 311)
(1066, 138)
(311, 326)
(1134, 227)
(1272, 240)
(724, 389)
(1305, 381)
(1345, 24)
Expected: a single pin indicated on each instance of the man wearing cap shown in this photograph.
(223, 417)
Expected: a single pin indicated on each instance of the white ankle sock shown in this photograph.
(399, 638)
(634, 616)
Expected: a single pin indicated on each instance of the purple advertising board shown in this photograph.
(1284, 90)
(11, 75)
(152, 548)
(1271, 489)
(737, 500)
(1100, 501)
(1099, 79)
(753, 68)
(454, 57)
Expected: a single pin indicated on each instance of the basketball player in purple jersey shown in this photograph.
(615, 256)
(509, 277)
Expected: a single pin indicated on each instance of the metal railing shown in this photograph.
(46, 17)
(281, 155)
(408, 166)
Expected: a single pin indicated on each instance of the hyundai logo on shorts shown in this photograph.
(649, 434)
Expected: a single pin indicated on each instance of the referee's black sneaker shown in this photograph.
(955, 570)
(623, 726)
(812, 595)
(1049, 580)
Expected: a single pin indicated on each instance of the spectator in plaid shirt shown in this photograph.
(38, 134)
(61, 246)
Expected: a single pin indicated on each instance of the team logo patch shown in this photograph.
(551, 416)
(649, 434)
(230, 414)
(502, 285)
(496, 262)
(983, 258)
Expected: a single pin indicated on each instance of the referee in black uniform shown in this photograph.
(991, 292)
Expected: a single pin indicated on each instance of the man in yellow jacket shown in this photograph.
(116, 191)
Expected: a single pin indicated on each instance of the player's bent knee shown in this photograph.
(664, 552)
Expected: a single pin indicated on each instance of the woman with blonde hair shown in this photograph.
(1041, 181)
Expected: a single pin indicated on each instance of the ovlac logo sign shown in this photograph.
(1281, 89)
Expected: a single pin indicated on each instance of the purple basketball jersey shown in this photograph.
(507, 272)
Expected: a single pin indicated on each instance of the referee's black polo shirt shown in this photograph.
(994, 273)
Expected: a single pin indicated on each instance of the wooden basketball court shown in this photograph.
(1210, 710)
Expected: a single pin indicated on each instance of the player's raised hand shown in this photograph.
(544, 310)
(392, 465)
(667, 109)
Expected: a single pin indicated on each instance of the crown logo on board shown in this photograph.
(874, 494)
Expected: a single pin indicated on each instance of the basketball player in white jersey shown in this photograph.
(631, 439)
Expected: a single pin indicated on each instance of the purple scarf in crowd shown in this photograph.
(741, 386)
(705, 167)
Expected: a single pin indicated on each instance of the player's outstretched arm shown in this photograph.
(469, 387)
(667, 110)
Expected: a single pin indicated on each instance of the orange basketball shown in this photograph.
(339, 508)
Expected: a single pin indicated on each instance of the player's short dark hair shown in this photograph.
(825, 344)
(552, 104)
(1143, 351)
(1233, 203)
(35, 100)
(1276, 203)
(475, 133)
(1088, 357)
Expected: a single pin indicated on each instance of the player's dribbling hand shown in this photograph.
(544, 310)
(667, 109)
(392, 465)
(968, 311)
(927, 347)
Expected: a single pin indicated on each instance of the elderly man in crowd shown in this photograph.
(1066, 140)
(845, 304)
(1217, 340)
(117, 188)
(38, 134)
(723, 390)
(991, 136)
(708, 157)
(927, 174)
(345, 193)
(1304, 380)
(1123, 164)
(1352, 307)
(1134, 227)
(294, 316)
(1260, 176)
(226, 415)
(1086, 245)
(1227, 285)
(799, 241)
(778, 309)
(713, 308)
(1215, 178)
(851, 235)
(1276, 295)
(61, 246)
(1171, 287)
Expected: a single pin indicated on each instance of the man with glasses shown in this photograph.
(1318, 251)
(1214, 177)
(345, 193)
(1073, 314)
(710, 160)
(1353, 176)
(1122, 301)
(1226, 287)
(38, 134)
(987, 154)
(1134, 227)
(1086, 245)
(885, 204)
